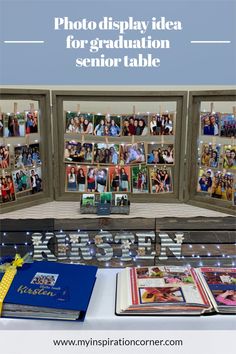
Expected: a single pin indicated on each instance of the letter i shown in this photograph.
(154, 23)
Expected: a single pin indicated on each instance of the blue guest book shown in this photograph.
(48, 290)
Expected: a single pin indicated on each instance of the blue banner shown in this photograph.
(118, 42)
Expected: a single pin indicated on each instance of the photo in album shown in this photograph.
(31, 122)
(160, 154)
(222, 283)
(119, 178)
(79, 123)
(210, 124)
(21, 180)
(132, 153)
(27, 155)
(4, 156)
(161, 295)
(14, 125)
(136, 124)
(210, 155)
(160, 180)
(77, 152)
(228, 125)
(7, 189)
(140, 180)
(161, 124)
(229, 157)
(106, 154)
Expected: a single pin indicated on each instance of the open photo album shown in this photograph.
(176, 290)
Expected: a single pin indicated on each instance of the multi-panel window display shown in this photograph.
(20, 152)
(24, 177)
(119, 145)
(216, 152)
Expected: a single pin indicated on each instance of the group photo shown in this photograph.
(160, 154)
(119, 177)
(25, 155)
(79, 123)
(106, 154)
(162, 124)
(106, 125)
(135, 125)
(161, 180)
(76, 152)
(132, 153)
(218, 124)
(210, 155)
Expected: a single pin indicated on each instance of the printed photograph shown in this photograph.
(27, 155)
(121, 199)
(77, 152)
(36, 180)
(31, 122)
(88, 199)
(119, 177)
(106, 154)
(21, 180)
(107, 125)
(135, 124)
(97, 179)
(160, 180)
(14, 125)
(44, 279)
(161, 124)
(1, 125)
(7, 189)
(79, 123)
(132, 153)
(106, 198)
(81, 178)
(4, 156)
(140, 179)
(113, 122)
(210, 155)
(225, 297)
(222, 185)
(76, 178)
(210, 124)
(160, 154)
(178, 278)
(161, 295)
(228, 125)
(71, 178)
(205, 177)
(142, 272)
(217, 278)
(229, 157)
